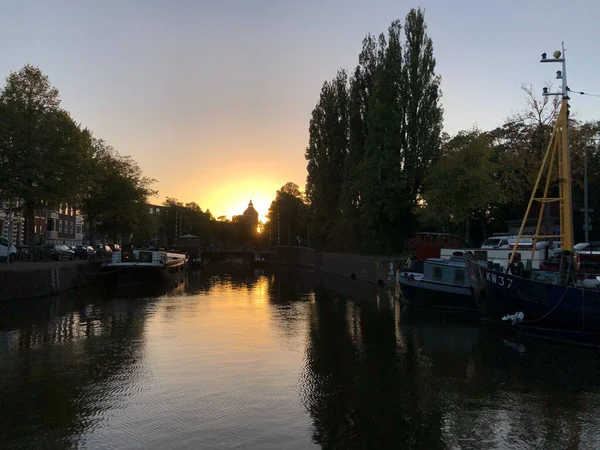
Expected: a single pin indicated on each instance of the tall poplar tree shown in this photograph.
(393, 136)
(349, 229)
(326, 154)
(423, 113)
(381, 171)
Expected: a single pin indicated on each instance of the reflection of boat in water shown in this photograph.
(145, 290)
(440, 330)
(146, 266)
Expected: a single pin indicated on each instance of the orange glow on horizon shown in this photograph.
(230, 198)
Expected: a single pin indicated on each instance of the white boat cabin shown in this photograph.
(446, 270)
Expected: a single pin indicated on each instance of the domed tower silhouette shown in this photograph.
(251, 216)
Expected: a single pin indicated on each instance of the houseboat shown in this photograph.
(146, 266)
(443, 284)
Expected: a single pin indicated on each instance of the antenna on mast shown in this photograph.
(558, 151)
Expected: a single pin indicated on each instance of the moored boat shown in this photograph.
(555, 305)
(443, 284)
(146, 266)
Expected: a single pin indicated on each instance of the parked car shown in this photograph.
(103, 251)
(7, 251)
(58, 251)
(85, 251)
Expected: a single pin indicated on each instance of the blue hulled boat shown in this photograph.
(549, 310)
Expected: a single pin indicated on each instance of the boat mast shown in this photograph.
(558, 151)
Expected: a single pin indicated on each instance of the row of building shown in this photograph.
(53, 226)
(65, 225)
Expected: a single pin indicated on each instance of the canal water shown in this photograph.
(281, 360)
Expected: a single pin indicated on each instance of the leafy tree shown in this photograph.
(382, 134)
(463, 183)
(42, 150)
(124, 193)
(114, 200)
(287, 217)
(381, 181)
(520, 143)
(326, 153)
(349, 230)
(421, 104)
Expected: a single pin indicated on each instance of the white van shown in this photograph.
(5, 250)
(506, 242)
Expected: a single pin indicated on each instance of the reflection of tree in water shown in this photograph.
(60, 368)
(429, 380)
(288, 292)
(358, 390)
(289, 286)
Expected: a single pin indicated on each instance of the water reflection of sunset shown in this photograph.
(238, 315)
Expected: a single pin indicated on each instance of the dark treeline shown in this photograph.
(179, 219)
(380, 167)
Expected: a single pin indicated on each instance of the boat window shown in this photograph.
(437, 273)
(459, 276)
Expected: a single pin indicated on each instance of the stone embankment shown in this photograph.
(21, 280)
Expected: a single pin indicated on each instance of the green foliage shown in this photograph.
(287, 217)
(421, 97)
(116, 196)
(372, 140)
(42, 150)
(463, 184)
(47, 159)
(326, 153)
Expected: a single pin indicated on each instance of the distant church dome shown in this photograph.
(251, 214)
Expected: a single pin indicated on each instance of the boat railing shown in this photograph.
(498, 255)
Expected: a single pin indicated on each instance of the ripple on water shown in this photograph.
(259, 362)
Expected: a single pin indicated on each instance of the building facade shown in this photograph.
(61, 226)
(18, 224)
(158, 230)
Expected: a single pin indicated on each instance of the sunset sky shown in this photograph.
(213, 98)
